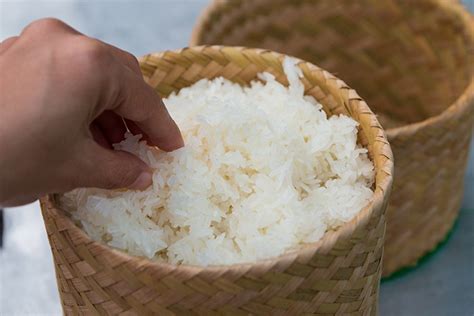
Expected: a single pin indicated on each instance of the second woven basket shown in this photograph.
(413, 63)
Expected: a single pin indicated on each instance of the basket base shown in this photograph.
(402, 271)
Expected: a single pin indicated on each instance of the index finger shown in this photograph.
(139, 103)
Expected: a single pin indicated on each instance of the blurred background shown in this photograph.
(442, 284)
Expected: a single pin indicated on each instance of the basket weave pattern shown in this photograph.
(413, 63)
(338, 275)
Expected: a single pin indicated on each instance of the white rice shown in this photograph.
(263, 171)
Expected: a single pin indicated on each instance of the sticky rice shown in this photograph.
(264, 171)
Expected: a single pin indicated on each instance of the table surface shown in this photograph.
(443, 284)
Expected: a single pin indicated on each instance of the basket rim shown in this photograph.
(463, 101)
(378, 200)
(459, 105)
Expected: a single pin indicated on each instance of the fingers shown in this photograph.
(126, 58)
(7, 44)
(19, 200)
(135, 130)
(109, 169)
(142, 105)
(99, 136)
(118, 86)
(112, 126)
(49, 26)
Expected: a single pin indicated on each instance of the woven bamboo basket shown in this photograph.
(340, 274)
(412, 61)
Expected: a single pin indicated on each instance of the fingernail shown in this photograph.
(143, 181)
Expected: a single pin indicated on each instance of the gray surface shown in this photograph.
(442, 285)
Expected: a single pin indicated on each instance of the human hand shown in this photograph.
(62, 99)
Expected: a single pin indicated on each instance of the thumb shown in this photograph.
(109, 169)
